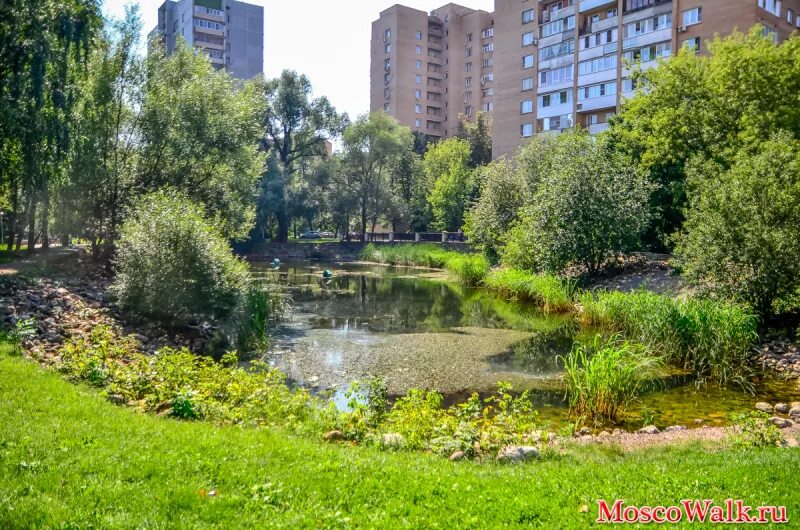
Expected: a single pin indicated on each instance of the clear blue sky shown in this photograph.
(315, 37)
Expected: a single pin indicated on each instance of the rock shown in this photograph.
(791, 442)
(794, 412)
(117, 399)
(193, 332)
(458, 455)
(674, 428)
(616, 432)
(7, 310)
(698, 421)
(392, 439)
(517, 453)
(781, 423)
(781, 408)
(763, 406)
(141, 338)
(649, 429)
(584, 431)
(333, 436)
(61, 291)
(587, 437)
(604, 434)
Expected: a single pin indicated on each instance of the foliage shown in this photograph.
(741, 237)
(552, 293)
(470, 269)
(423, 254)
(479, 135)
(753, 429)
(503, 191)
(21, 332)
(589, 207)
(742, 92)
(713, 339)
(173, 264)
(262, 307)
(603, 376)
(451, 182)
(297, 127)
(183, 384)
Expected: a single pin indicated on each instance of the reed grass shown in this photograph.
(550, 292)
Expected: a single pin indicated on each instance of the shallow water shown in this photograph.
(416, 329)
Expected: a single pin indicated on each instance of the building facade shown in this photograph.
(230, 32)
(541, 66)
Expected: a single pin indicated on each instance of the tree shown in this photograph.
(590, 205)
(479, 136)
(372, 148)
(297, 127)
(451, 182)
(741, 238)
(739, 94)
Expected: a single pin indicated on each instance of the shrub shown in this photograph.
(421, 255)
(470, 269)
(604, 376)
(172, 264)
(552, 293)
(713, 339)
(753, 429)
(590, 206)
(741, 237)
(263, 306)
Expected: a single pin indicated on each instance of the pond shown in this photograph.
(416, 329)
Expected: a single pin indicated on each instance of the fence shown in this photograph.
(418, 237)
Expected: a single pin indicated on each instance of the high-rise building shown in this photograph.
(541, 66)
(230, 32)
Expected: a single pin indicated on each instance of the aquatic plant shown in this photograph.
(470, 269)
(604, 375)
(552, 293)
(263, 305)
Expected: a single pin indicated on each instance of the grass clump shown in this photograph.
(713, 339)
(263, 305)
(603, 376)
(549, 291)
(753, 429)
(470, 269)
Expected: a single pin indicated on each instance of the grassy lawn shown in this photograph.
(70, 459)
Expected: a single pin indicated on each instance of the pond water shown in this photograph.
(416, 329)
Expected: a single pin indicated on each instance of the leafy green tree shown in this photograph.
(451, 181)
(297, 127)
(372, 148)
(590, 205)
(743, 91)
(741, 237)
(479, 135)
(200, 133)
(172, 264)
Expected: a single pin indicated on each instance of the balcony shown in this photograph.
(600, 25)
(588, 5)
(661, 35)
(597, 128)
(551, 16)
(434, 71)
(601, 102)
(632, 6)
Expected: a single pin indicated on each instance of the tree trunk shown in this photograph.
(363, 234)
(45, 220)
(12, 220)
(283, 226)
(31, 223)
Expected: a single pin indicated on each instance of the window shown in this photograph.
(387, 64)
(418, 35)
(527, 39)
(693, 42)
(469, 52)
(488, 107)
(789, 16)
(468, 67)
(596, 91)
(628, 85)
(418, 94)
(468, 38)
(419, 79)
(487, 33)
(419, 64)
(599, 39)
(555, 123)
(526, 107)
(488, 92)
(556, 75)
(772, 6)
(385, 107)
(468, 110)
(488, 48)
(527, 84)
(526, 130)
(419, 50)
(692, 16)
(418, 109)
(527, 16)
(485, 78)
(797, 22)
(418, 123)
(487, 63)
(468, 82)
(207, 11)
(557, 26)
(649, 53)
(557, 50)
(597, 65)
(527, 61)
(387, 48)
(648, 25)
(387, 35)
(199, 22)
(555, 98)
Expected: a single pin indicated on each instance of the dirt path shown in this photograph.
(39, 259)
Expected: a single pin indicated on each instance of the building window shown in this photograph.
(387, 35)
(418, 109)
(468, 82)
(789, 16)
(469, 52)
(418, 35)
(418, 79)
(419, 50)
(647, 25)
(418, 94)
(557, 26)
(486, 78)
(387, 64)
(555, 123)
(693, 43)
(488, 48)
(385, 107)
(527, 84)
(528, 39)
(526, 130)
(487, 33)
(488, 107)
(198, 22)
(527, 61)
(628, 85)
(387, 48)
(649, 53)
(528, 16)
(488, 92)
(556, 75)
(468, 110)
(555, 98)
(468, 38)
(417, 123)
(597, 65)
(596, 91)
(772, 6)
(487, 62)
(419, 64)
(526, 107)
(468, 95)
(692, 16)
(557, 50)
(468, 67)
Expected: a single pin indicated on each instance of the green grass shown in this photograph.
(548, 291)
(69, 459)
(714, 339)
(469, 269)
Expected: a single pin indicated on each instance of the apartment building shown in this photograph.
(427, 69)
(546, 65)
(230, 32)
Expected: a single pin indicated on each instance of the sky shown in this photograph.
(328, 40)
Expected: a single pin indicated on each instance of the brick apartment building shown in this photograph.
(540, 66)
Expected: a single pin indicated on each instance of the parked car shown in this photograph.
(311, 234)
(327, 235)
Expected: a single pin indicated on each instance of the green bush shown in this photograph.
(173, 264)
(420, 255)
(753, 429)
(713, 339)
(604, 376)
(552, 293)
(470, 269)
